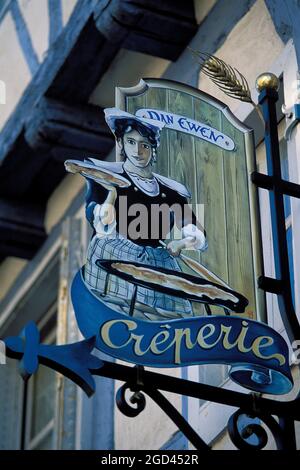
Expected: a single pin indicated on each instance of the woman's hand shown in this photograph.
(104, 219)
(194, 238)
(107, 213)
(175, 246)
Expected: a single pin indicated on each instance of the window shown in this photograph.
(27, 409)
(212, 374)
(40, 392)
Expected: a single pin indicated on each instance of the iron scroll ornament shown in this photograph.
(76, 362)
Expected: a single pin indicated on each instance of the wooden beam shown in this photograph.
(21, 228)
(88, 60)
(160, 29)
(58, 131)
(60, 125)
(19, 168)
(54, 132)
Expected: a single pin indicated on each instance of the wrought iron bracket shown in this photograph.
(77, 362)
(271, 285)
(277, 188)
(268, 182)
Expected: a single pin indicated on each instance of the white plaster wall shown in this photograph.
(126, 70)
(36, 16)
(14, 70)
(252, 46)
(152, 428)
(67, 9)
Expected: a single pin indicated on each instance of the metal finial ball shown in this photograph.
(267, 80)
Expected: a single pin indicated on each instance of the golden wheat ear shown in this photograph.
(227, 78)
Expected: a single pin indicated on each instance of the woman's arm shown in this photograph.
(100, 208)
(193, 235)
(107, 211)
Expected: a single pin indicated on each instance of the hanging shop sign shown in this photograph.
(173, 261)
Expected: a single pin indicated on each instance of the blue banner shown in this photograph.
(258, 354)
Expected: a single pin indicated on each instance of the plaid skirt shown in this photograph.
(122, 249)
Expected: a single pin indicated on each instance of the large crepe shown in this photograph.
(100, 175)
(175, 282)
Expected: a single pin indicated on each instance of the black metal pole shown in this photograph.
(267, 100)
(288, 429)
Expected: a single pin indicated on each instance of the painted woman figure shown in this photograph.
(119, 234)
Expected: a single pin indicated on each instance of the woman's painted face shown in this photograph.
(137, 148)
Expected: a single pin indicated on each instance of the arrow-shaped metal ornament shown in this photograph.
(72, 360)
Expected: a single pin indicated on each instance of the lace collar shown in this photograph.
(149, 186)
